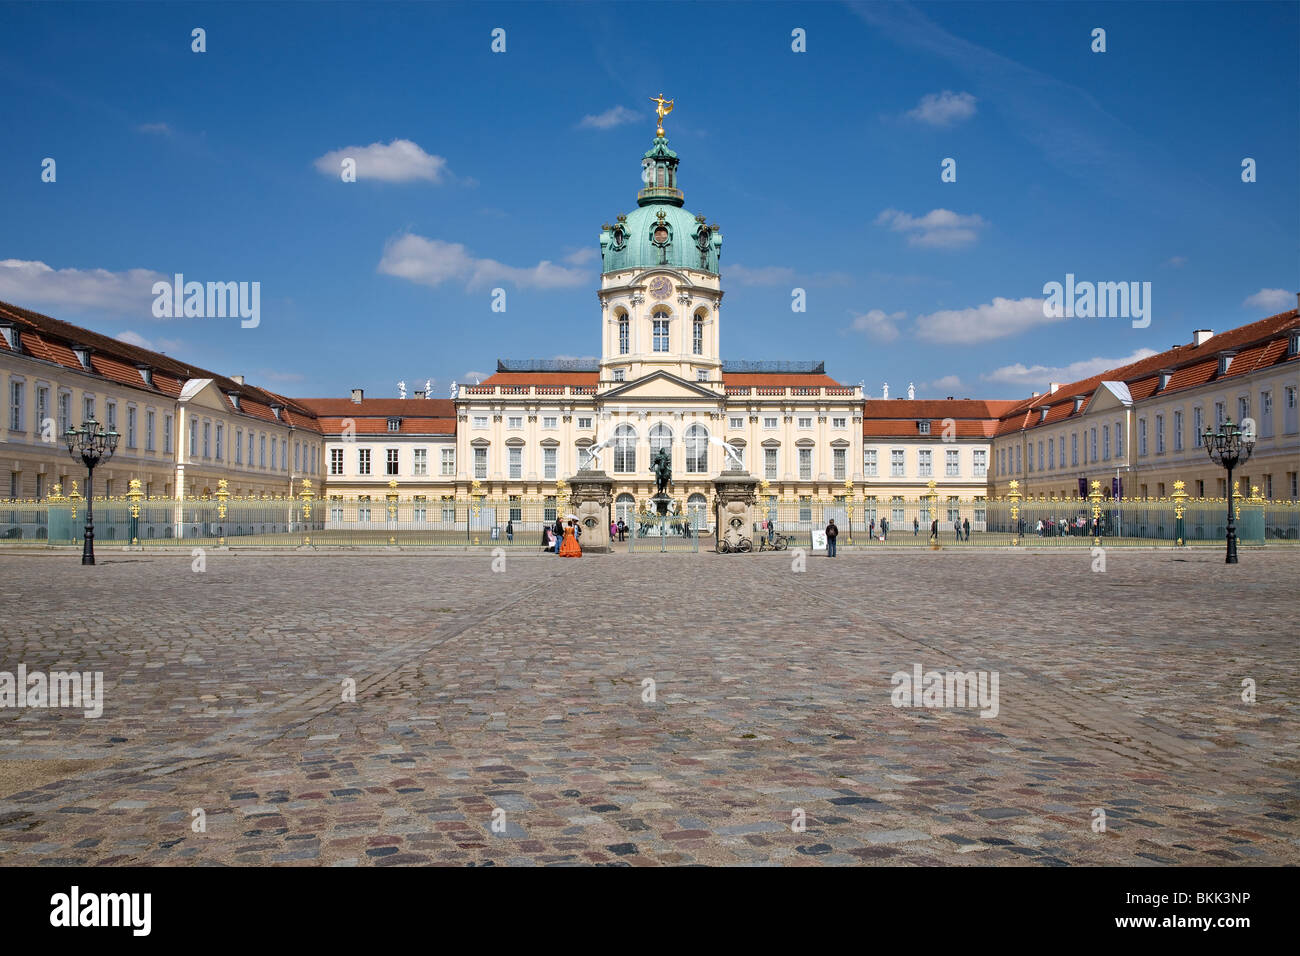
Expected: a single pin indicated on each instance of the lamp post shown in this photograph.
(92, 445)
(1229, 447)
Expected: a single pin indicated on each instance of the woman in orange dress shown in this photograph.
(570, 548)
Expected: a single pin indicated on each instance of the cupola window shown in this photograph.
(660, 327)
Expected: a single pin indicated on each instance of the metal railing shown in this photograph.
(521, 522)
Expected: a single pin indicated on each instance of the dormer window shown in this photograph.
(1225, 361)
(1165, 375)
(234, 399)
(13, 337)
(83, 353)
(146, 374)
(1293, 345)
(278, 410)
(1042, 413)
(1078, 403)
(923, 428)
(394, 424)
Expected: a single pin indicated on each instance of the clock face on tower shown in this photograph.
(660, 287)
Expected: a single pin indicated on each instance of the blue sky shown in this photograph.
(483, 170)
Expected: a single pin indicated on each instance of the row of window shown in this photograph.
(660, 323)
(53, 427)
(1050, 453)
(734, 422)
(392, 461)
(924, 463)
(211, 438)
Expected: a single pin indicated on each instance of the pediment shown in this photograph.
(203, 393)
(1109, 395)
(659, 386)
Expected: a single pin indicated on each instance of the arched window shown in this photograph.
(697, 450)
(625, 449)
(697, 508)
(624, 342)
(697, 336)
(661, 436)
(625, 509)
(659, 325)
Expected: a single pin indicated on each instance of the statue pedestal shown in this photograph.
(734, 494)
(591, 494)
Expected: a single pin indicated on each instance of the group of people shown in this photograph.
(562, 538)
(617, 529)
(1053, 527)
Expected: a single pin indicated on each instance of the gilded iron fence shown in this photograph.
(520, 522)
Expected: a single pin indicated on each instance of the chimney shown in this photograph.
(419, 394)
(1201, 336)
(1052, 387)
(237, 379)
(1033, 394)
(950, 398)
(357, 395)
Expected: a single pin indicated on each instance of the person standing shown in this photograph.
(558, 531)
(613, 529)
(916, 527)
(871, 529)
(884, 529)
(570, 548)
(966, 527)
(622, 529)
(510, 532)
(956, 527)
(934, 530)
(832, 533)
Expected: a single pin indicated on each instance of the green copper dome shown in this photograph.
(659, 232)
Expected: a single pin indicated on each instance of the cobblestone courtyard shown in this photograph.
(522, 692)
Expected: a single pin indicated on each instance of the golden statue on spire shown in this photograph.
(661, 110)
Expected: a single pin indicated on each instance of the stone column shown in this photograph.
(735, 499)
(590, 498)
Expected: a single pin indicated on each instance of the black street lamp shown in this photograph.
(1230, 447)
(92, 445)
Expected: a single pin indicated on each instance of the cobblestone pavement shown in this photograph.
(522, 691)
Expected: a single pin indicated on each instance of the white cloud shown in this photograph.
(1041, 375)
(992, 320)
(614, 116)
(153, 345)
(581, 257)
(400, 161)
(938, 228)
(162, 129)
(1276, 299)
(881, 326)
(764, 275)
(472, 375)
(949, 383)
(432, 262)
(943, 109)
(30, 283)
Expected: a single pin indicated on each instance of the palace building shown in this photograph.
(183, 429)
(661, 382)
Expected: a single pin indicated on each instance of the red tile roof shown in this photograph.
(541, 378)
(780, 379)
(914, 409)
(381, 407)
(1258, 345)
(51, 339)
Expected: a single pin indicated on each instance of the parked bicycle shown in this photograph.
(741, 546)
(779, 542)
